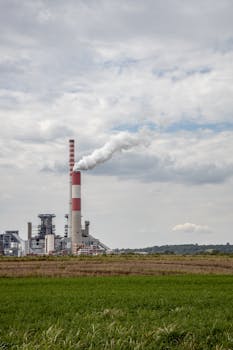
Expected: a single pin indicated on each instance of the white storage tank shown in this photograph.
(14, 245)
(49, 244)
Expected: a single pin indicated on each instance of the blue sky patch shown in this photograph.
(192, 126)
(175, 127)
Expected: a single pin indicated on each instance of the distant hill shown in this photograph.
(182, 249)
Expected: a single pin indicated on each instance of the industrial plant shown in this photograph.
(43, 240)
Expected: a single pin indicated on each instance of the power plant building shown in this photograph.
(43, 240)
(11, 244)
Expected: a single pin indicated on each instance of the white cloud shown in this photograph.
(191, 228)
(87, 69)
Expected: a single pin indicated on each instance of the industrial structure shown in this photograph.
(11, 244)
(43, 240)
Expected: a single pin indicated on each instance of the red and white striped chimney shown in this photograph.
(76, 211)
(71, 165)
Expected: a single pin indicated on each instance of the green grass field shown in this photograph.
(166, 312)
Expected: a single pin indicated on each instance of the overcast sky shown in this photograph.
(91, 69)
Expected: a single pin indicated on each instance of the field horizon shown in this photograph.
(114, 265)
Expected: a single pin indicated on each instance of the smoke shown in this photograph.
(121, 142)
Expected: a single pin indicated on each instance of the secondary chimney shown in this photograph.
(29, 230)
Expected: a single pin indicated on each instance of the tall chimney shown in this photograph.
(76, 211)
(71, 165)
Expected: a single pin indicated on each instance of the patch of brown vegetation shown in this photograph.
(115, 265)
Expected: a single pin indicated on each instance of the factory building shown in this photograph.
(43, 240)
(11, 244)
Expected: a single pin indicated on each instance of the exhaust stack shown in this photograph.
(29, 231)
(71, 165)
(76, 212)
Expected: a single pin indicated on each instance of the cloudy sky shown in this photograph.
(94, 69)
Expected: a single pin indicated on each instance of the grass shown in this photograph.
(133, 312)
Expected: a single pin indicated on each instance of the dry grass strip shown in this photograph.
(110, 266)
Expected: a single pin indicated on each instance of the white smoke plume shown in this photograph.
(118, 143)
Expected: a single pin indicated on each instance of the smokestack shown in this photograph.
(71, 165)
(29, 230)
(76, 211)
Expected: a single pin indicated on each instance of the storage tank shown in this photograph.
(49, 244)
